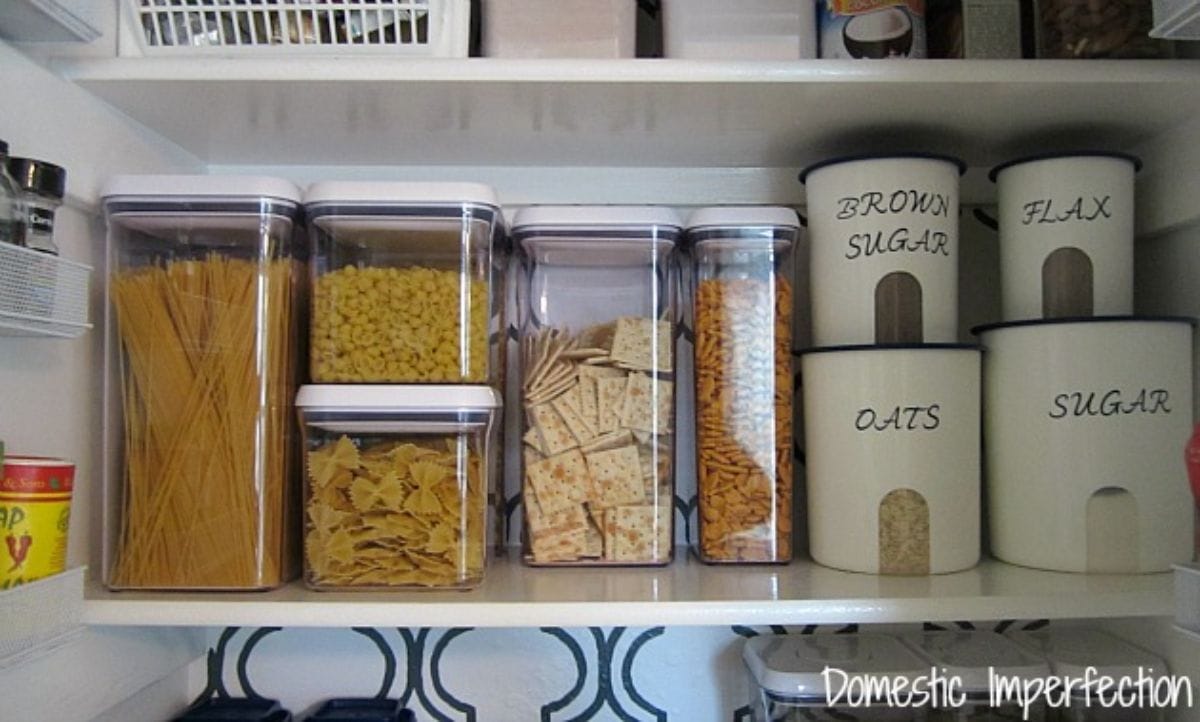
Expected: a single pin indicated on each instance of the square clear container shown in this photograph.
(982, 666)
(559, 28)
(407, 283)
(788, 680)
(1080, 653)
(397, 485)
(205, 279)
(597, 307)
(741, 295)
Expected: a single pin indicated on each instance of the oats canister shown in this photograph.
(883, 234)
(407, 282)
(892, 436)
(742, 307)
(597, 317)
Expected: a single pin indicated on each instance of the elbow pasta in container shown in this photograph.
(597, 307)
(407, 283)
(741, 259)
(397, 484)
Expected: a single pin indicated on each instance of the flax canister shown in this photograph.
(1066, 234)
(35, 511)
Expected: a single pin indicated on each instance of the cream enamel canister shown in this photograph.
(1066, 235)
(1086, 421)
(884, 249)
(893, 457)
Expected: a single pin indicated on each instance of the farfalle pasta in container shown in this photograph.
(597, 303)
(407, 283)
(397, 484)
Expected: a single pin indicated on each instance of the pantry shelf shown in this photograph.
(685, 593)
(647, 112)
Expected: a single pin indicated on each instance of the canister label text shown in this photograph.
(1045, 210)
(899, 418)
(1110, 403)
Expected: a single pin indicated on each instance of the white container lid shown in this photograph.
(970, 656)
(182, 187)
(590, 217)
(400, 193)
(369, 398)
(1070, 651)
(743, 216)
(791, 665)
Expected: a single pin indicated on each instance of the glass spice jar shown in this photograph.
(40, 187)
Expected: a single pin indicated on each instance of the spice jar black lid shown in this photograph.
(38, 176)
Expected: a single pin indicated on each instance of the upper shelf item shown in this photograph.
(419, 28)
(559, 28)
(747, 30)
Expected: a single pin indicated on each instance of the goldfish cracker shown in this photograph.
(397, 325)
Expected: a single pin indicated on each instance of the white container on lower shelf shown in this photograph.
(41, 294)
(39, 614)
(1187, 597)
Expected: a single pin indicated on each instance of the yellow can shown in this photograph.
(35, 512)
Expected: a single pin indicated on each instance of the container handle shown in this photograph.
(983, 217)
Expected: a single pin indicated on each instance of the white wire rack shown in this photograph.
(424, 28)
(42, 295)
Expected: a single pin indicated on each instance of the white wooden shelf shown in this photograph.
(685, 593)
(646, 112)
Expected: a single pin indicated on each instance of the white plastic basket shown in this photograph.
(42, 295)
(1187, 597)
(417, 28)
(40, 614)
(1176, 19)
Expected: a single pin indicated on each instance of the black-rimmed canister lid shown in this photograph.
(1053, 155)
(933, 346)
(901, 155)
(1077, 320)
(38, 176)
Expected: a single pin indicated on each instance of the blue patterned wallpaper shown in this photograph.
(551, 674)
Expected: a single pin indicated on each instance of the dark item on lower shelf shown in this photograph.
(236, 709)
(361, 709)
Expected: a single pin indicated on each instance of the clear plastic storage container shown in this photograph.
(597, 306)
(204, 284)
(407, 282)
(985, 670)
(559, 28)
(742, 309)
(794, 678)
(1082, 655)
(397, 484)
